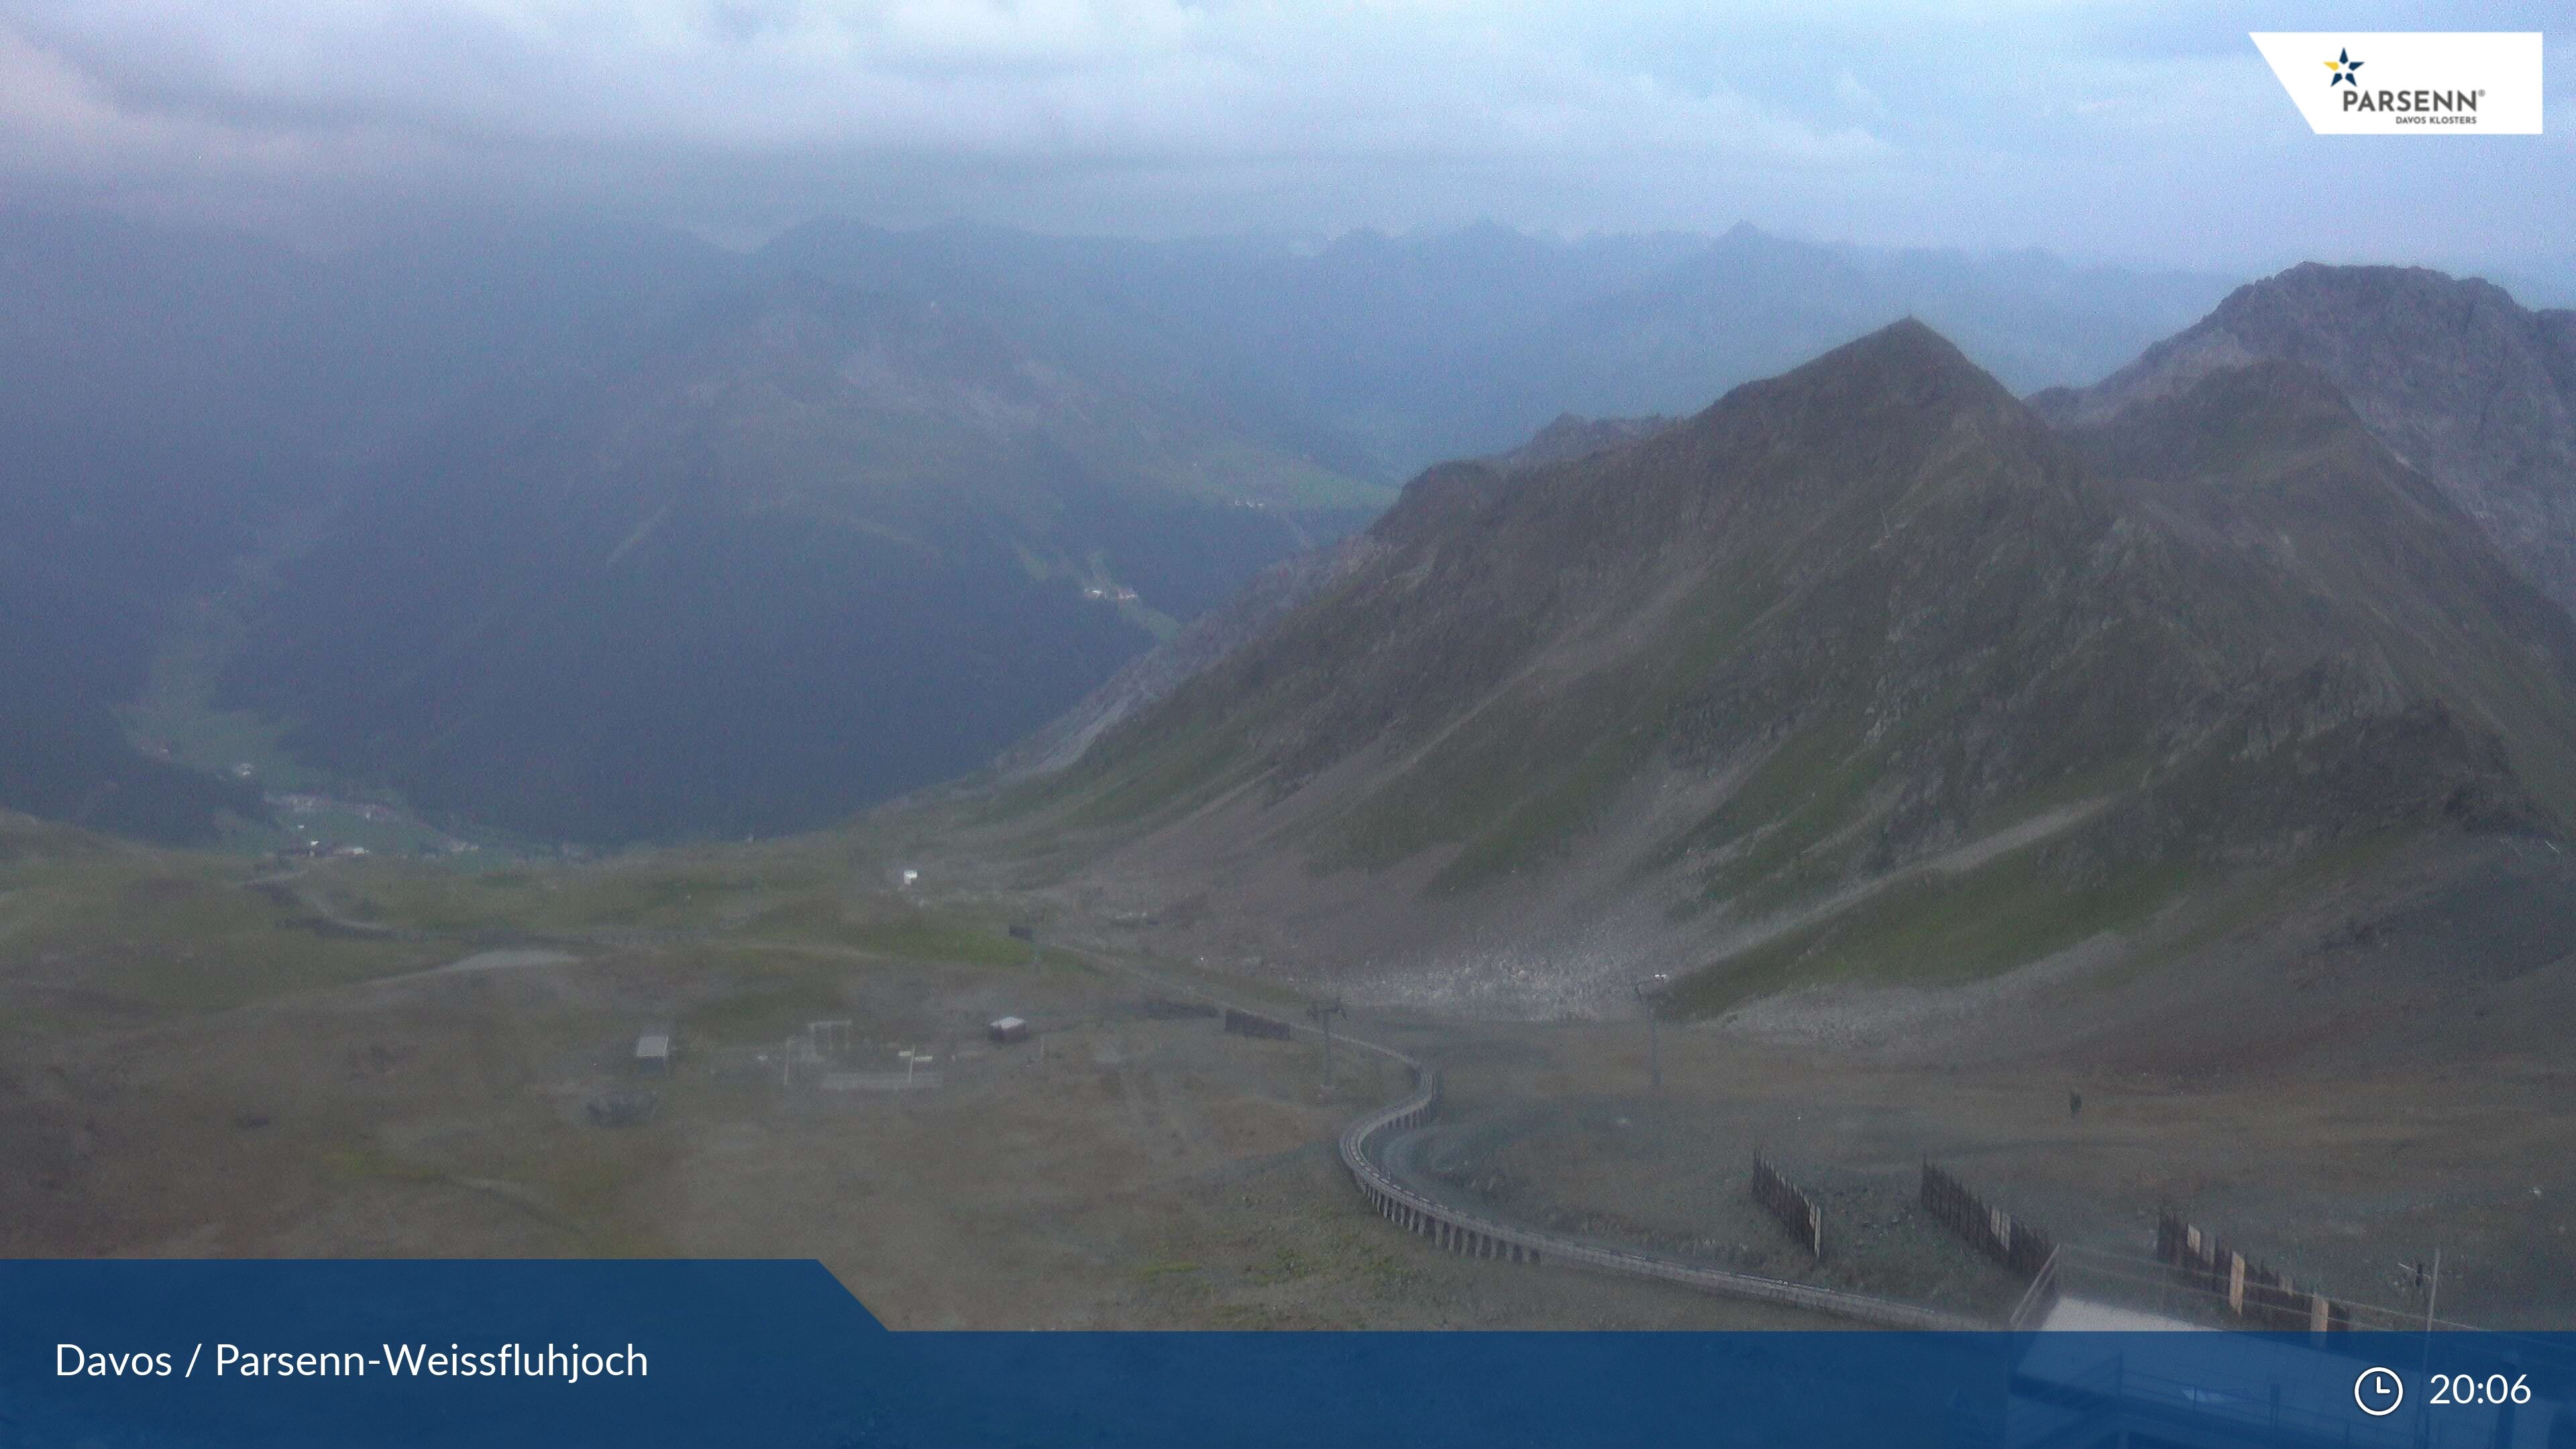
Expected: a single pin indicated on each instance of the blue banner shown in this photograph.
(779, 1354)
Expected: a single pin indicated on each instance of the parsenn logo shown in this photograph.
(2431, 83)
(2455, 107)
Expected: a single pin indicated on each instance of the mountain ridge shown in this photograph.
(2451, 373)
(1837, 626)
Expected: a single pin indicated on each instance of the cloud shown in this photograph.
(1148, 79)
(1949, 121)
(59, 121)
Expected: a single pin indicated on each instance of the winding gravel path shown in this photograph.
(1405, 1202)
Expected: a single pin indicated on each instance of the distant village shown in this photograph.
(306, 805)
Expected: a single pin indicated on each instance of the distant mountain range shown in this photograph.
(1380, 355)
(1873, 672)
(596, 532)
(806, 548)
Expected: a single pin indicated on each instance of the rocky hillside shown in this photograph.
(2452, 374)
(1868, 672)
(1570, 436)
(1271, 596)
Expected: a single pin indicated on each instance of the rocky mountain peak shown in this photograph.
(2454, 376)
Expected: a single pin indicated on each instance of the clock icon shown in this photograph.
(2378, 1391)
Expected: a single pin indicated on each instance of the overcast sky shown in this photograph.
(2143, 132)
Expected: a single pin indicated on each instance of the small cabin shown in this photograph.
(1007, 1030)
(653, 1053)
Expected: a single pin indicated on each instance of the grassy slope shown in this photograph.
(97, 933)
(90, 926)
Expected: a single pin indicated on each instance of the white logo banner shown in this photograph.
(2451, 83)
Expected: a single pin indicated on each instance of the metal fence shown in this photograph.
(1988, 1229)
(1796, 1211)
(2252, 1290)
